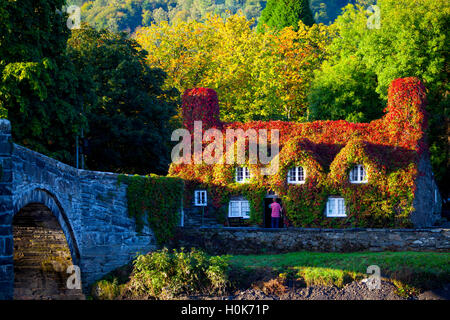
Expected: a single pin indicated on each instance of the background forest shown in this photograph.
(127, 15)
(118, 93)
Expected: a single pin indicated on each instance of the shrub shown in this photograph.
(106, 290)
(164, 274)
(275, 286)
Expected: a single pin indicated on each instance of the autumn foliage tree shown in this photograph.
(257, 76)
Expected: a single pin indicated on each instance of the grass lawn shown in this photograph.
(409, 271)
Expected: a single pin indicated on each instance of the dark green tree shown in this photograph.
(279, 14)
(326, 11)
(129, 122)
(38, 83)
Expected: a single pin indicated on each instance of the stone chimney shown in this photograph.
(201, 104)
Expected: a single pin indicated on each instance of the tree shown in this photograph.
(279, 14)
(345, 91)
(258, 76)
(38, 83)
(344, 88)
(412, 41)
(129, 123)
(326, 11)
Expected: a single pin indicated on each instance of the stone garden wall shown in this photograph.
(258, 241)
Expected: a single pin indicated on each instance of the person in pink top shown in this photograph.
(276, 213)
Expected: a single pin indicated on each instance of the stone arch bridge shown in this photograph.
(90, 208)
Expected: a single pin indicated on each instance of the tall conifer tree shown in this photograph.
(279, 14)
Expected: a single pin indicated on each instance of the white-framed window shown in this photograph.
(239, 209)
(242, 174)
(358, 174)
(200, 198)
(296, 175)
(335, 207)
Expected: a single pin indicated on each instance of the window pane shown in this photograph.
(330, 206)
(291, 175)
(239, 174)
(245, 209)
(247, 173)
(301, 175)
(234, 209)
(203, 197)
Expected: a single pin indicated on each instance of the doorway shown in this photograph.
(268, 212)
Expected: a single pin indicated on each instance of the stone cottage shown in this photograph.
(331, 174)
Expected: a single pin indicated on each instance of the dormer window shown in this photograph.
(335, 207)
(358, 174)
(200, 198)
(296, 175)
(242, 174)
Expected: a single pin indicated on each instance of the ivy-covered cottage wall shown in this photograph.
(400, 191)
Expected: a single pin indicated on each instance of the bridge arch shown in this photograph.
(44, 247)
(45, 197)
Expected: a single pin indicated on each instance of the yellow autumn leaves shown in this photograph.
(258, 76)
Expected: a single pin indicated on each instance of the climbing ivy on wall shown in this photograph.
(155, 200)
(201, 103)
(221, 195)
(389, 148)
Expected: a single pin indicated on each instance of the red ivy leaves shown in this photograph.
(390, 148)
(201, 104)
